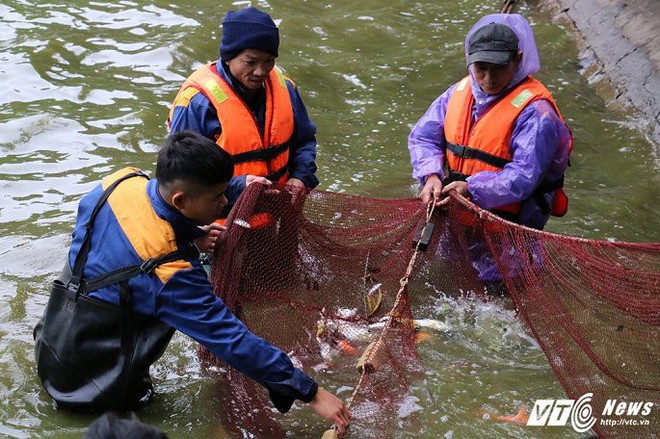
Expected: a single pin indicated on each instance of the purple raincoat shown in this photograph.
(540, 145)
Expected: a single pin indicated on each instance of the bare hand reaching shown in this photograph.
(331, 408)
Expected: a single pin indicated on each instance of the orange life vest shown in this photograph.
(485, 144)
(266, 156)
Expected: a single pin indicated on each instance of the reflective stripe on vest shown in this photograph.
(485, 145)
(266, 156)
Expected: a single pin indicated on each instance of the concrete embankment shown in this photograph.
(620, 48)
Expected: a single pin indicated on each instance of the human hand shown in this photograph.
(206, 244)
(331, 408)
(297, 188)
(295, 182)
(461, 188)
(432, 189)
(249, 179)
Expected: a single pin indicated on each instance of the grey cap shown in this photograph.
(493, 43)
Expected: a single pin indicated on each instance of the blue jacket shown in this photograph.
(200, 116)
(136, 224)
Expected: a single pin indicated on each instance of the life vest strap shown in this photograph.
(454, 176)
(263, 154)
(467, 152)
(124, 274)
(276, 175)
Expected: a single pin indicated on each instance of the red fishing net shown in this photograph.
(329, 279)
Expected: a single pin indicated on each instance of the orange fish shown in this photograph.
(347, 348)
(261, 220)
(520, 418)
(422, 336)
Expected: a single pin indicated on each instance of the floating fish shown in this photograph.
(374, 288)
(531, 340)
(256, 221)
(242, 223)
(346, 333)
(432, 324)
(372, 299)
(520, 418)
(422, 336)
(374, 295)
(347, 348)
(332, 341)
(346, 326)
(261, 220)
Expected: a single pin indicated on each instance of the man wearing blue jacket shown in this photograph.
(131, 221)
(245, 104)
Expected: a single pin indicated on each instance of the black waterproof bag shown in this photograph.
(92, 355)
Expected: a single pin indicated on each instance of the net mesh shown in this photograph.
(331, 280)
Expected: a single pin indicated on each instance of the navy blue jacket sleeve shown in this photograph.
(302, 152)
(199, 116)
(186, 303)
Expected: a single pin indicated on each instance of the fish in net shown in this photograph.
(336, 282)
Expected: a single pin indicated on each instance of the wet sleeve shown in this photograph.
(426, 141)
(196, 114)
(302, 151)
(187, 304)
(534, 143)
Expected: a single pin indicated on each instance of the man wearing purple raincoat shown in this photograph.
(539, 147)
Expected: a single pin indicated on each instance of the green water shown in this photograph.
(86, 88)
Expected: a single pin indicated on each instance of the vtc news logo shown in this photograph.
(550, 412)
(557, 412)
